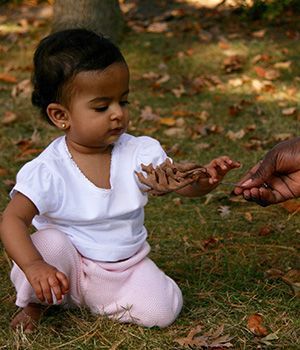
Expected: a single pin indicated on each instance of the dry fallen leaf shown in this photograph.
(8, 78)
(289, 111)
(167, 121)
(264, 231)
(233, 63)
(148, 115)
(158, 27)
(3, 172)
(291, 278)
(236, 135)
(292, 206)
(248, 216)
(224, 211)
(9, 117)
(283, 65)
(259, 33)
(179, 91)
(254, 324)
(212, 339)
(22, 89)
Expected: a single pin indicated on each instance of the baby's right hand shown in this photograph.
(45, 278)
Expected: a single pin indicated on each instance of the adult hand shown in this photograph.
(46, 279)
(276, 178)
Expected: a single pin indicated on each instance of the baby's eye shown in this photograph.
(124, 103)
(101, 109)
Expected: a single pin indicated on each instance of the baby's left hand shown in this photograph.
(219, 167)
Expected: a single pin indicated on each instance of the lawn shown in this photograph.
(204, 83)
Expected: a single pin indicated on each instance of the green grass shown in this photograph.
(223, 282)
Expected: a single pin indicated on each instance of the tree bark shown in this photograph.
(101, 16)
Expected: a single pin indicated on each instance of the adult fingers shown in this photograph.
(243, 183)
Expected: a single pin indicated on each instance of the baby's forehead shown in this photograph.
(113, 78)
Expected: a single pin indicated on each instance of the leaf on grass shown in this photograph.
(259, 33)
(167, 121)
(264, 231)
(233, 63)
(179, 91)
(3, 172)
(175, 132)
(148, 115)
(254, 324)
(212, 339)
(289, 111)
(292, 279)
(8, 78)
(269, 74)
(248, 216)
(8, 118)
(211, 241)
(268, 339)
(158, 27)
(283, 65)
(283, 136)
(292, 206)
(236, 135)
(163, 79)
(22, 89)
(150, 75)
(224, 211)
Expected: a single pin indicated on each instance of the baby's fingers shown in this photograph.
(46, 290)
(64, 282)
(55, 288)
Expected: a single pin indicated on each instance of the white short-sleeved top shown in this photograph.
(103, 224)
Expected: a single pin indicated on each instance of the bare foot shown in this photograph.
(28, 318)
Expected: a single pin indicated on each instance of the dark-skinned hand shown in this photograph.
(276, 178)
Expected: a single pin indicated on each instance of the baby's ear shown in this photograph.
(58, 115)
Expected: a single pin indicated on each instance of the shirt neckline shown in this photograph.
(86, 180)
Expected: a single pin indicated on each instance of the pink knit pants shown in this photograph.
(134, 290)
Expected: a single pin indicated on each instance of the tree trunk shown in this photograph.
(101, 16)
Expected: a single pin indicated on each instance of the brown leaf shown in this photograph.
(292, 206)
(283, 136)
(211, 241)
(167, 121)
(162, 79)
(148, 115)
(233, 63)
(260, 71)
(236, 135)
(158, 27)
(22, 89)
(289, 111)
(3, 172)
(283, 65)
(254, 324)
(292, 278)
(259, 33)
(248, 216)
(8, 118)
(224, 210)
(179, 91)
(209, 340)
(264, 231)
(8, 78)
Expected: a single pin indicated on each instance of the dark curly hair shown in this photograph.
(62, 55)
